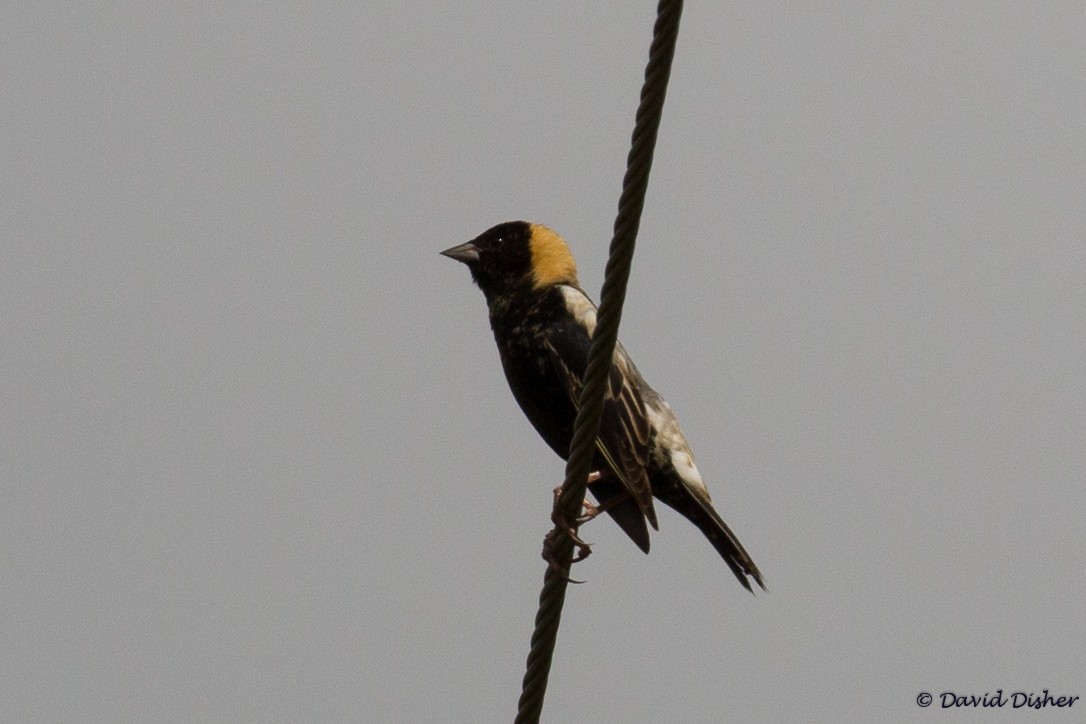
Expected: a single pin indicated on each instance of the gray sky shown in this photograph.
(259, 459)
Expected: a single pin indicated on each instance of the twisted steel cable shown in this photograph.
(617, 274)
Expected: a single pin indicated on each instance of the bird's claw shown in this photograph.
(558, 517)
(591, 510)
(550, 555)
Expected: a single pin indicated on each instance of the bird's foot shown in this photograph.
(591, 510)
(558, 517)
(550, 555)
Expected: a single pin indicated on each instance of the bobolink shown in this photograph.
(543, 324)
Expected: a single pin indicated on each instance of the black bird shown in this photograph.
(543, 323)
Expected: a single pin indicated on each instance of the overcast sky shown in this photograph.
(259, 462)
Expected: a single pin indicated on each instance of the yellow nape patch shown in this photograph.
(552, 262)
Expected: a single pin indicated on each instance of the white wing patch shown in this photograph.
(684, 466)
(670, 437)
(580, 306)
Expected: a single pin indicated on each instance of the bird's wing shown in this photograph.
(623, 438)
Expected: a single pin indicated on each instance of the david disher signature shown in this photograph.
(1017, 700)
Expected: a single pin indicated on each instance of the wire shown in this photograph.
(617, 274)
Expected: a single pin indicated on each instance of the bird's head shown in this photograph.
(516, 256)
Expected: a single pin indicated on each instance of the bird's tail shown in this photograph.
(616, 500)
(704, 516)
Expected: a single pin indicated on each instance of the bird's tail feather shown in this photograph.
(704, 516)
(617, 502)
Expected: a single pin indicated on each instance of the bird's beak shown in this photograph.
(467, 253)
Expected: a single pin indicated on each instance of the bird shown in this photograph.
(543, 322)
